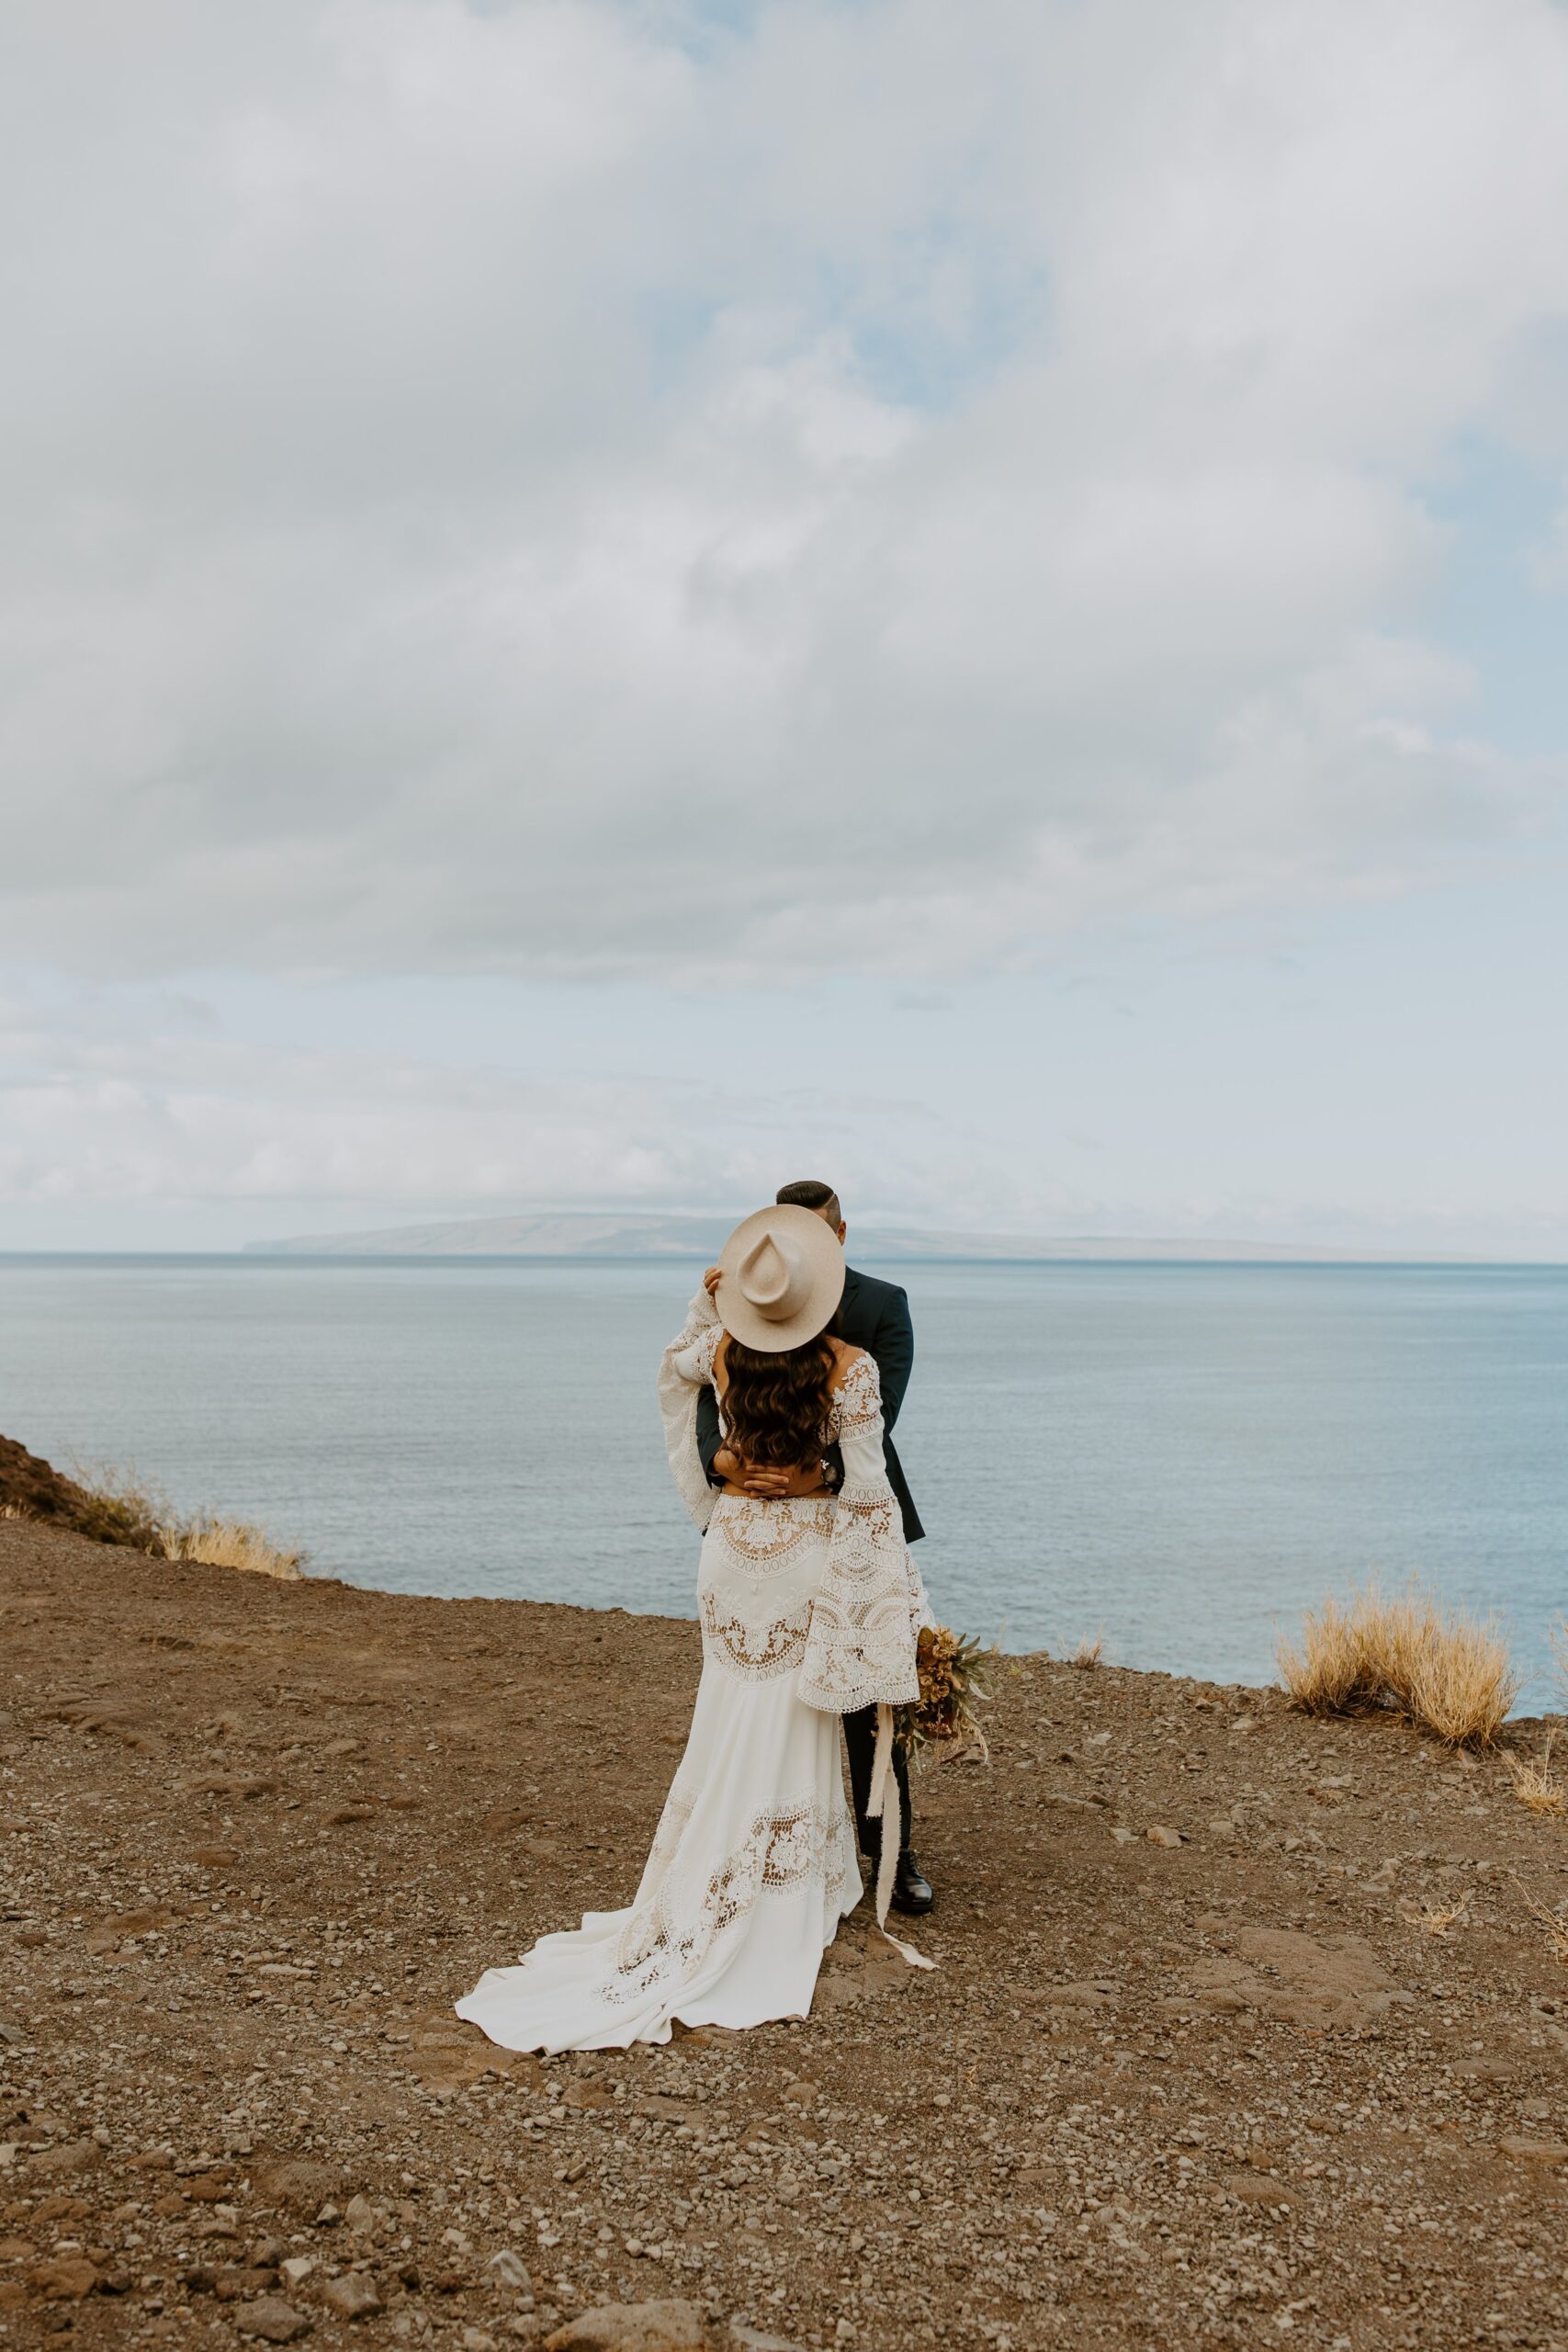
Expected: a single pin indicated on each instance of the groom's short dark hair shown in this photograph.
(811, 1194)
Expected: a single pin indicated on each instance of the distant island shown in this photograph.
(586, 1233)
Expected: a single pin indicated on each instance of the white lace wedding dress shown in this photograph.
(809, 1608)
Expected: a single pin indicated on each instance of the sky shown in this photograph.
(607, 604)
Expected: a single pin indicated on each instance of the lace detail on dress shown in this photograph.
(783, 1848)
(762, 1534)
(856, 1407)
(756, 1653)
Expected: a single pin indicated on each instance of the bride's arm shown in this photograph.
(684, 1371)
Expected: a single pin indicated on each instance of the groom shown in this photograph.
(874, 1316)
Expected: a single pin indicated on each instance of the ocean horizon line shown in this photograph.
(1285, 1260)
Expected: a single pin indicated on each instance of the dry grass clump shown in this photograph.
(1437, 1919)
(127, 1510)
(1552, 1924)
(1535, 1783)
(1437, 1668)
(1088, 1652)
(121, 1507)
(233, 1544)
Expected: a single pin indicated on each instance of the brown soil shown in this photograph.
(1224, 2087)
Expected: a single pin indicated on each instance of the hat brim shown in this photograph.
(823, 1253)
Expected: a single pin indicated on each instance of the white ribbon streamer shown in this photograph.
(887, 1811)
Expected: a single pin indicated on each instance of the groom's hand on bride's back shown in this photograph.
(757, 1478)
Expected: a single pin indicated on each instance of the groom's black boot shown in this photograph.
(912, 1892)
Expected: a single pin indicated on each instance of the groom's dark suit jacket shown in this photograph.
(873, 1314)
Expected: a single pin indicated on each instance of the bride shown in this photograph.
(810, 1606)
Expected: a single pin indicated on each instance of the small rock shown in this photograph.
(474, 2339)
(751, 2339)
(77, 2156)
(300, 2183)
(1534, 2151)
(1123, 1836)
(671, 2325)
(1159, 1836)
(509, 2269)
(1256, 2188)
(272, 2319)
(298, 2267)
(360, 2215)
(1100, 1993)
(235, 2285)
(328, 2217)
(65, 2281)
(587, 2094)
(353, 2296)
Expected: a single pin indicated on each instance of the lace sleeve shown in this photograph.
(860, 1648)
(684, 1371)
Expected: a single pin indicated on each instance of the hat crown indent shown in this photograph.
(770, 1277)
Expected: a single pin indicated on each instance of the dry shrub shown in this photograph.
(1437, 1919)
(1088, 1653)
(1325, 1675)
(1437, 1668)
(121, 1507)
(233, 1544)
(1552, 1924)
(127, 1508)
(1535, 1783)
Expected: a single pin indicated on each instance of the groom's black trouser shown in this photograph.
(860, 1739)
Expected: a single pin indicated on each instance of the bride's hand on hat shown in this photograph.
(712, 1279)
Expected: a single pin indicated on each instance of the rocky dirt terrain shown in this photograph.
(1244, 2029)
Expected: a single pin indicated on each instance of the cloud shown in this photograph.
(102, 1106)
(575, 489)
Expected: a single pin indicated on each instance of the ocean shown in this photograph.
(1177, 1458)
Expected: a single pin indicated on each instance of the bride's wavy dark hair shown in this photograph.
(776, 1405)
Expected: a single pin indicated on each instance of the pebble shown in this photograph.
(671, 2325)
(509, 2269)
(1534, 2151)
(272, 2319)
(65, 2281)
(353, 2296)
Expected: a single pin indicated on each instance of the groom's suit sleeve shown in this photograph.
(708, 1434)
(894, 1348)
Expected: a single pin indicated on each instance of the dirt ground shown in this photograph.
(1243, 2032)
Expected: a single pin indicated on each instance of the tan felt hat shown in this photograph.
(781, 1278)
